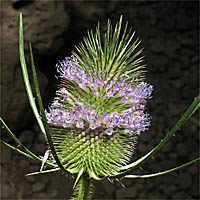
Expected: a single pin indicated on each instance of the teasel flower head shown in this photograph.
(99, 108)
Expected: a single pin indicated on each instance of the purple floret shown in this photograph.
(85, 117)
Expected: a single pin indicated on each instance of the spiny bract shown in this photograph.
(99, 106)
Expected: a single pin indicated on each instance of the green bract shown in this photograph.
(100, 157)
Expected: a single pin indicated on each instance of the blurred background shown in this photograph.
(169, 31)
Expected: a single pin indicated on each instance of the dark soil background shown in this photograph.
(169, 32)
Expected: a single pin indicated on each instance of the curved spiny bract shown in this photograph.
(102, 155)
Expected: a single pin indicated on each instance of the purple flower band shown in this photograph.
(86, 116)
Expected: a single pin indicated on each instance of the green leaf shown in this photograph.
(26, 78)
(17, 150)
(135, 165)
(39, 99)
(44, 172)
(162, 173)
(31, 155)
(45, 129)
(28, 153)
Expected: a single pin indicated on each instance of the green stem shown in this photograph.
(83, 188)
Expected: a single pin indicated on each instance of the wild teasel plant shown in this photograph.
(99, 111)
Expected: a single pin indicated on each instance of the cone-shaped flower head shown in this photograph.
(99, 106)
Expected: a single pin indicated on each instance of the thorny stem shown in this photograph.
(83, 189)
